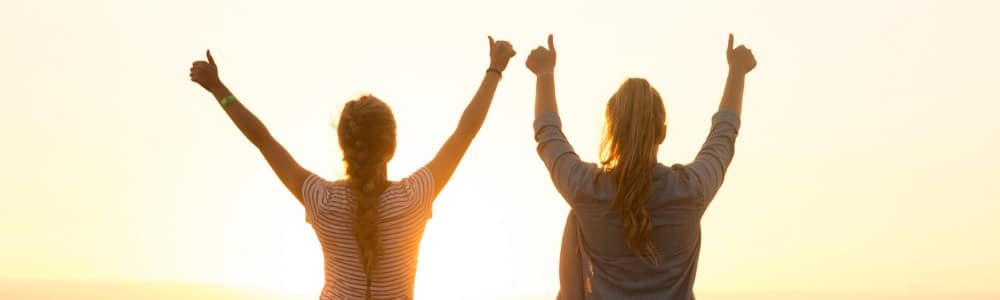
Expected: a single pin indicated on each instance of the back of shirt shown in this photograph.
(613, 271)
(404, 208)
(679, 198)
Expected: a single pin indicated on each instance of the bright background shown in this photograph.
(865, 165)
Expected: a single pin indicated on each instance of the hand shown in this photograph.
(206, 74)
(500, 54)
(542, 61)
(741, 59)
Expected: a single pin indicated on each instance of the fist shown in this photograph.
(500, 54)
(542, 60)
(206, 73)
(740, 59)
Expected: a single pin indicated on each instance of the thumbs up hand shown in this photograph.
(206, 73)
(500, 54)
(740, 59)
(542, 60)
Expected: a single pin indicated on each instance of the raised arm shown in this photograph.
(292, 175)
(444, 163)
(741, 61)
(567, 171)
(710, 165)
(542, 62)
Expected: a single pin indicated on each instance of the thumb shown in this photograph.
(211, 60)
(491, 41)
(552, 46)
(730, 42)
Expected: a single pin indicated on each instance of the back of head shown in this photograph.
(635, 127)
(367, 135)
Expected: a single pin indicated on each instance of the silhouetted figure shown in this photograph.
(369, 227)
(634, 229)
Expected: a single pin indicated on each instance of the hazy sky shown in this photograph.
(866, 160)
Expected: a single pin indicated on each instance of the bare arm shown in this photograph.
(545, 94)
(741, 61)
(292, 175)
(732, 96)
(542, 63)
(444, 163)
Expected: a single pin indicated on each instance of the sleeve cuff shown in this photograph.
(727, 116)
(549, 119)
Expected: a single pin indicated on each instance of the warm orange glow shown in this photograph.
(866, 162)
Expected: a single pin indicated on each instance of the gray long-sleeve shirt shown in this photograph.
(595, 261)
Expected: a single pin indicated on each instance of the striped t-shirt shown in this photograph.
(404, 208)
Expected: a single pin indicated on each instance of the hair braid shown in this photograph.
(367, 135)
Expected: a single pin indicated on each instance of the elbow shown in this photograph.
(468, 127)
(464, 135)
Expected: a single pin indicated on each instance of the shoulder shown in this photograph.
(419, 181)
(674, 182)
(315, 182)
(674, 176)
(587, 183)
(322, 197)
(326, 192)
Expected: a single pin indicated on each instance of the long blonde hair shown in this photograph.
(367, 135)
(635, 126)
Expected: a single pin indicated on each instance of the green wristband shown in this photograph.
(228, 99)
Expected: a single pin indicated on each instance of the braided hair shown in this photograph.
(367, 135)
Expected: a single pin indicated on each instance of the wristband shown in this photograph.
(495, 70)
(228, 99)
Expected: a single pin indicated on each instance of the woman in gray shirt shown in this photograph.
(634, 229)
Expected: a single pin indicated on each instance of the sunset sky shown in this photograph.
(866, 162)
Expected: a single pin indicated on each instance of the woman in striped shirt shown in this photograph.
(369, 227)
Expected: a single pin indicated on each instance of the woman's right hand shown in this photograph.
(542, 61)
(740, 59)
(206, 74)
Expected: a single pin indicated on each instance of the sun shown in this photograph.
(463, 256)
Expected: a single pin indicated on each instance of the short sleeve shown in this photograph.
(315, 190)
(420, 186)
